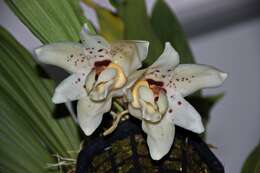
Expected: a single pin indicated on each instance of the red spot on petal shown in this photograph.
(179, 102)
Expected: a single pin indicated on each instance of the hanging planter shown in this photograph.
(126, 151)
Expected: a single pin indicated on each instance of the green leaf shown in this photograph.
(168, 28)
(111, 25)
(50, 20)
(29, 132)
(252, 163)
(138, 27)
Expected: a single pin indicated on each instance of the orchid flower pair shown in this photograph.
(101, 71)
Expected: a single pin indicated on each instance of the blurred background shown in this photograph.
(225, 35)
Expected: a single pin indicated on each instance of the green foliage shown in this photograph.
(29, 132)
(252, 163)
(168, 28)
(111, 25)
(50, 20)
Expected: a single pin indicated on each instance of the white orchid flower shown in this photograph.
(99, 71)
(157, 98)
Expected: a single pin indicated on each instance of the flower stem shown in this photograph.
(118, 106)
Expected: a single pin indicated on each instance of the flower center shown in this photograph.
(150, 96)
(104, 77)
(155, 86)
(100, 66)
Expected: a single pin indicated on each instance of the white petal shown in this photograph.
(169, 58)
(142, 48)
(184, 115)
(189, 78)
(159, 137)
(135, 112)
(92, 40)
(90, 113)
(72, 88)
(141, 53)
(127, 54)
(66, 55)
(132, 78)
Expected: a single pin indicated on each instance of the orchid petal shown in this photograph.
(129, 54)
(90, 113)
(184, 115)
(169, 58)
(132, 78)
(72, 88)
(142, 49)
(92, 40)
(159, 137)
(67, 55)
(189, 78)
(141, 53)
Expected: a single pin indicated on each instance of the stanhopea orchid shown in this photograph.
(99, 71)
(157, 98)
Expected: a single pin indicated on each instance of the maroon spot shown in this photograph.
(192, 76)
(90, 52)
(157, 71)
(170, 110)
(102, 63)
(177, 79)
(100, 50)
(169, 70)
(156, 99)
(71, 55)
(101, 55)
(187, 79)
(84, 86)
(99, 42)
(78, 79)
(153, 82)
(179, 102)
(163, 76)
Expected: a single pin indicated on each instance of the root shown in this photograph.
(117, 118)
